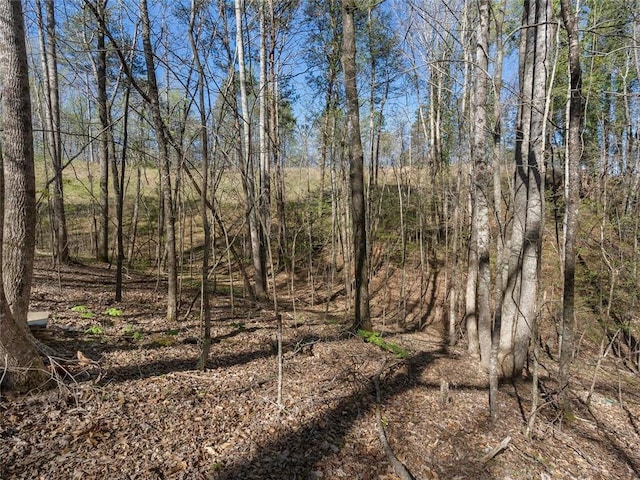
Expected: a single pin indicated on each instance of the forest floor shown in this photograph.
(138, 408)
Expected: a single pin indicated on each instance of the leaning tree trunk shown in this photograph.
(362, 318)
(18, 354)
(519, 306)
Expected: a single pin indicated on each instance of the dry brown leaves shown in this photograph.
(134, 407)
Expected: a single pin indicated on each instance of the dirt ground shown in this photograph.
(135, 406)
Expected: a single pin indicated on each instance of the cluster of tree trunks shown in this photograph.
(501, 306)
(502, 340)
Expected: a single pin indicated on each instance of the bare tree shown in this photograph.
(264, 163)
(481, 182)
(519, 308)
(100, 73)
(573, 156)
(362, 319)
(501, 266)
(119, 188)
(48, 45)
(204, 138)
(164, 164)
(256, 232)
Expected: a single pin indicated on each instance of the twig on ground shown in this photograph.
(279, 359)
(4, 370)
(398, 466)
(503, 445)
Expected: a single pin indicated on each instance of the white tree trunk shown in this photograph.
(519, 307)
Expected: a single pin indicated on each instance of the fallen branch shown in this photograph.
(503, 444)
(398, 466)
(4, 371)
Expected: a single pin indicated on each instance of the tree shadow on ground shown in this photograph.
(158, 368)
(299, 453)
(216, 361)
(67, 342)
(606, 436)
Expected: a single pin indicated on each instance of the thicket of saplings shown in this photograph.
(418, 227)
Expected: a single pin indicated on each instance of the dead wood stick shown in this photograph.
(503, 444)
(398, 466)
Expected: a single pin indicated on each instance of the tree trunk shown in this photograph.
(277, 157)
(18, 355)
(119, 187)
(471, 299)
(481, 182)
(100, 73)
(164, 165)
(496, 153)
(204, 138)
(362, 318)
(573, 155)
(501, 267)
(133, 230)
(264, 196)
(519, 307)
(52, 122)
(247, 167)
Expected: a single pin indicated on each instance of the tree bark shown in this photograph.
(119, 188)
(247, 167)
(204, 138)
(164, 165)
(501, 266)
(52, 121)
(264, 90)
(18, 354)
(519, 307)
(100, 72)
(471, 299)
(481, 182)
(362, 319)
(573, 155)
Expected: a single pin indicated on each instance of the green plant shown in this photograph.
(239, 325)
(83, 311)
(94, 330)
(172, 332)
(376, 339)
(130, 331)
(113, 312)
